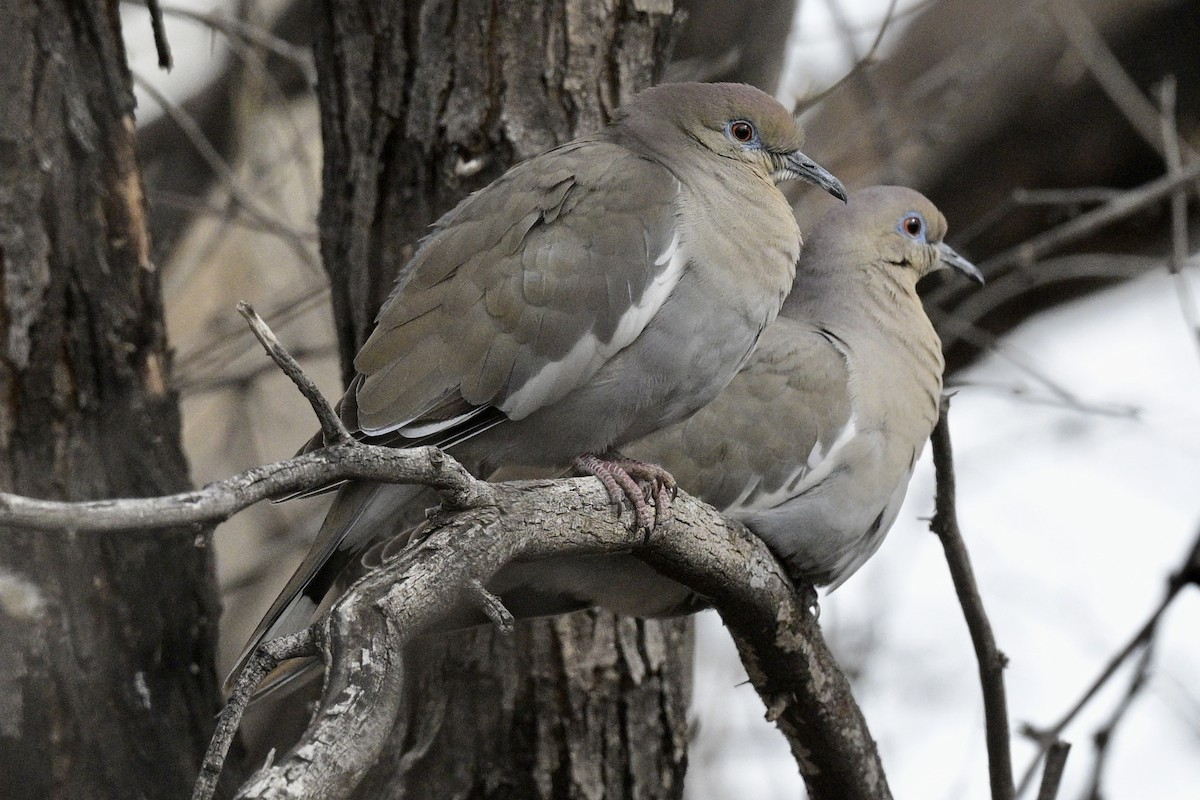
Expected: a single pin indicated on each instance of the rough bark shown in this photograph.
(108, 688)
(422, 103)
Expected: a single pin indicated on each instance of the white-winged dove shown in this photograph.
(587, 297)
(812, 445)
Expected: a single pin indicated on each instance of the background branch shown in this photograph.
(991, 660)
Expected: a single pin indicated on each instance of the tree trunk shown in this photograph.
(108, 686)
(422, 103)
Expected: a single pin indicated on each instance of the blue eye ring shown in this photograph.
(742, 131)
(913, 226)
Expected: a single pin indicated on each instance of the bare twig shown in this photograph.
(991, 660)
(1108, 72)
(1119, 207)
(1102, 738)
(963, 323)
(267, 657)
(1187, 574)
(222, 499)
(332, 427)
(212, 357)
(1022, 393)
(289, 234)
(1086, 195)
(1071, 198)
(1056, 763)
(805, 103)
(160, 35)
(1178, 253)
(299, 57)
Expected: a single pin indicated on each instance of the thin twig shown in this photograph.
(991, 660)
(1178, 253)
(332, 427)
(160, 35)
(1120, 207)
(268, 656)
(954, 328)
(212, 357)
(805, 103)
(1187, 574)
(199, 384)
(1056, 763)
(1100, 60)
(291, 235)
(1022, 393)
(218, 501)
(1081, 195)
(201, 205)
(1103, 738)
(299, 57)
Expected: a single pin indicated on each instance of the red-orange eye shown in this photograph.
(742, 131)
(914, 226)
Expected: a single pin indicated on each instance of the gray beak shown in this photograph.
(952, 260)
(804, 168)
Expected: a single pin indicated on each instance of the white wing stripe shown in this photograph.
(557, 378)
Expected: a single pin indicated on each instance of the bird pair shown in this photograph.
(603, 295)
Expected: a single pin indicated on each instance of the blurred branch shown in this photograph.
(160, 35)
(300, 57)
(1119, 207)
(198, 205)
(291, 235)
(1178, 252)
(860, 64)
(1056, 762)
(1102, 738)
(229, 378)
(1187, 574)
(1108, 72)
(963, 323)
(991, 660)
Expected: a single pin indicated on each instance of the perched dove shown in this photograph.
(587, 297)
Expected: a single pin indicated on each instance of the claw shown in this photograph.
(621, 477)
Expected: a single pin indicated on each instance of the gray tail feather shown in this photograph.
(361, 514)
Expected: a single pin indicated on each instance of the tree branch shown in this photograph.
(991, 660)
(1188, 574)
(486, 527)
(222, 499)
(410, 595)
